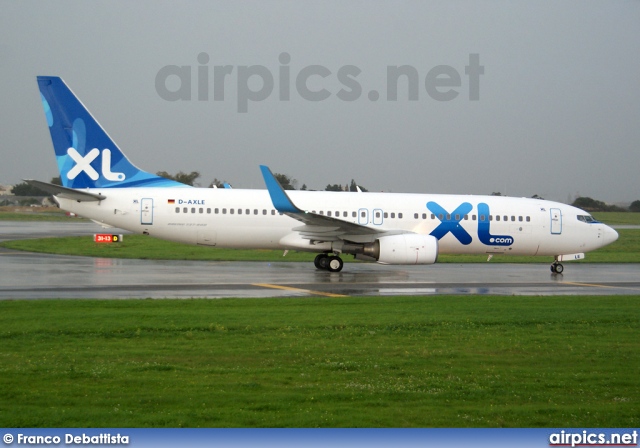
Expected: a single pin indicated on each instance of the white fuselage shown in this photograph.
(235, 218)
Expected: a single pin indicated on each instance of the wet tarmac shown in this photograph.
(38, 276)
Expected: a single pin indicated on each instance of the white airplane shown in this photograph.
(100, 183)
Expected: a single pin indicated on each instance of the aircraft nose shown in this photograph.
(609, 235)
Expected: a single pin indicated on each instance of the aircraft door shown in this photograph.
(363, 216)
(377, 216)
(146, 211)
(556, 221)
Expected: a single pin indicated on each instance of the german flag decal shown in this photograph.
(171, 201)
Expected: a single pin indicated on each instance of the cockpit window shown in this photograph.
(587, 218)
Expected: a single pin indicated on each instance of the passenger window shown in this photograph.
(345, 214)
(273, 213)
(399, 215)
(513, 218)
(193, 209)
(177, 209)
(264, 211)
(231, 211)
(457, 217)
(393, 215)
(201, 210)
(209, 211)
(498, 218)
(433, 216)
(482, 217)
(216, 211)
(224, 211)
(415, 216)
(520, 218)
(473, 217)
(185, 210)
(528, 219)
(386, 215)
(466, 217)
(329, 213)
(424, 216)
(239, 211)
(247, 211)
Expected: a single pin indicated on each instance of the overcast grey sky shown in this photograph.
(557, 112)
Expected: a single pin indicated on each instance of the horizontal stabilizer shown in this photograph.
(66, 193)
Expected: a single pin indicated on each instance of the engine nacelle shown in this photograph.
(408, 248)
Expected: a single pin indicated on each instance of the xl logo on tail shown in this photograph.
(83, 164)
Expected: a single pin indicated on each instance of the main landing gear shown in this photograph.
(557, 267)
(326, 262)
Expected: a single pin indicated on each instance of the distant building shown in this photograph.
(5, 190)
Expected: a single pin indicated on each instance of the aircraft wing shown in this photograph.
(319, 227)
(64, 192)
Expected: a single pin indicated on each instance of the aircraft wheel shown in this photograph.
(335, 264)
(559, 268)
(321, 261)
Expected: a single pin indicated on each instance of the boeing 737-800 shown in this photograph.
(99, 182)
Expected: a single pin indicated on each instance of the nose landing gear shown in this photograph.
(557, 267)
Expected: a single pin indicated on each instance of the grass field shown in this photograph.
(618, 218)
(358, 362)
(34, 214)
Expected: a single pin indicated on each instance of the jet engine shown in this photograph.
(408, 248)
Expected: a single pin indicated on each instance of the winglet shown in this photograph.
(280, 199)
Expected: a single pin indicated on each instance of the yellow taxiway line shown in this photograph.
(306, 291)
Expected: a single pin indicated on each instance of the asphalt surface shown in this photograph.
(37, 276)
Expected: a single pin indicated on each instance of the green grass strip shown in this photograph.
(444, 361)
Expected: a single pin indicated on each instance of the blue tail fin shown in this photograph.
(86, 155)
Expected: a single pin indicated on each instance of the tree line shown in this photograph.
(593, 205)
(289, 183)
